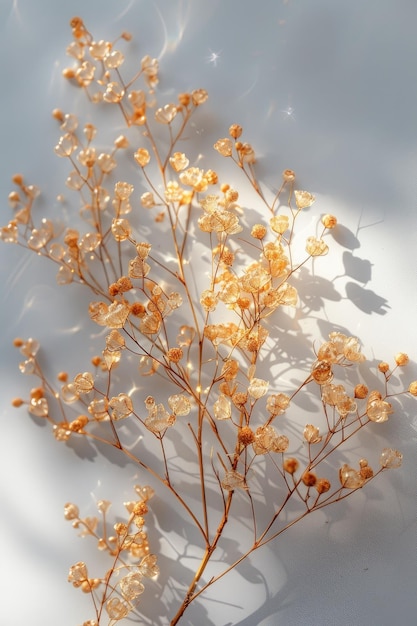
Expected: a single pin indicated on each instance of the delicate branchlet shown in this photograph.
(205, 341)
(131, 561)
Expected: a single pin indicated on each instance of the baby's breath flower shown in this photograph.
(290, 465)
(199, 96)
(316, 247)
(402, 359)
(235, 131)
(413, 388)
(311, 434)
(277, 404)
(142, 157)
(83, 383)
(361, 391)
(288, 176)
(123, 190)
(246, 436)
(279, 224)
(329, 221)
(378, 410)
(268, 440)
(258, 231)
(304, 199)
(309, 479)
(165, 114)
(350, 478)
(365, 471)
(179, 161)
(179, 404)
(174, 355)
(224, 147)
(233, 480)
(122, 406)
(322, 485)
(390, 458)
(147, 200)
(258, 388)
(222, 408)
(383, 367)
(71, 511)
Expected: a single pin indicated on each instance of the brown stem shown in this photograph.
(204, 562)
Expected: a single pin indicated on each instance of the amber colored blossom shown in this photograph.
(179, 161)
(268, 440)
(413, 388)
(316, 247)
(175, 355)
(224, 147)
(350, 478)
(383, 367)
(246, 436)
(258, 231)
(329, 221)
(390, 458)
(288, 176)
(322, 485)
(402, 359)
(303, 199)
(361, 391)
(309, 479)
(290, 465)
(312, 434)
(235, 131)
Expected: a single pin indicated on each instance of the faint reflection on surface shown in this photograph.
(213, 58)
(16, 274)
(173, 39)
(126, 10)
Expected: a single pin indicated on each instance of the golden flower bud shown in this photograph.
(401, 359)
(246, 436)
(235, 131)
(290, 465)
(258, 231)
(383, 367)
(322, 485)
(413, 388)
(361, 391)
(288, 176)
(329, 221)
(309, 479)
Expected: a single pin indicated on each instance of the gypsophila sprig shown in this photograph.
(131, 561)
(204, 341)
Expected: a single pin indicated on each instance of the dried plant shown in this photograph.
(188, 292)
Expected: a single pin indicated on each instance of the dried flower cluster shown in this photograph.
(205, 346)
(132, 563)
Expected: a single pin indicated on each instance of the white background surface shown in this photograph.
(326, 88)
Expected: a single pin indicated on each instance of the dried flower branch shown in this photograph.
(205, 344)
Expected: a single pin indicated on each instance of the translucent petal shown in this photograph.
(83, 383)
(148, 566)
(390, 458)
(122, 406)
(131, 586)
(165, 115)
(39, 407)
(233, 480)
(159, 419)
(222, 408)
(179, 404)
(258, 388)
(350, 478)
(303, 199)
